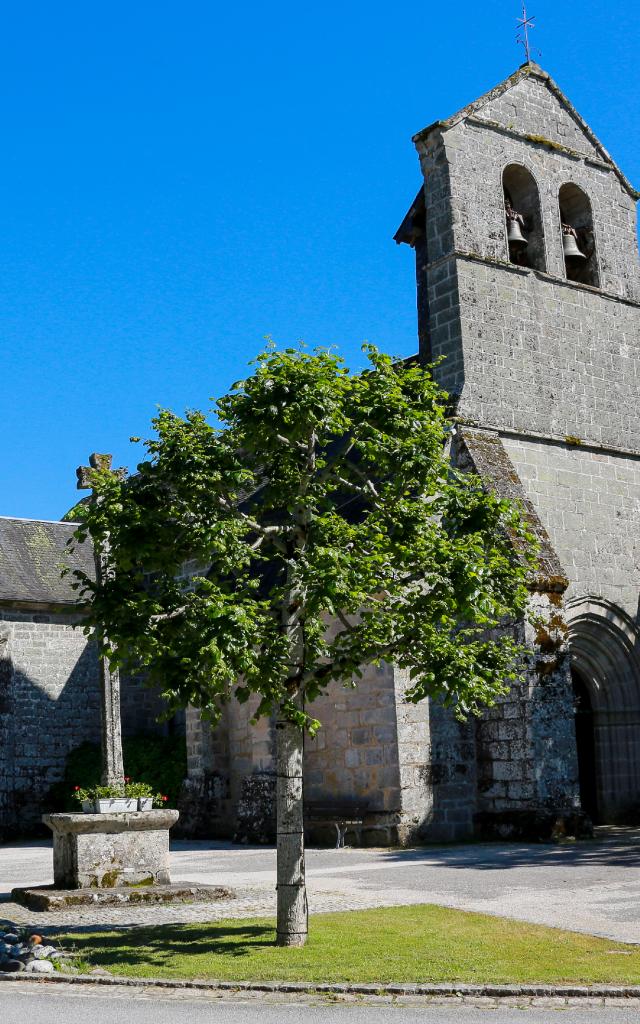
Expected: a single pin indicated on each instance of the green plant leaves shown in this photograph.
(319, 527)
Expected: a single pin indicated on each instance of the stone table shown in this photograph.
(98, 851)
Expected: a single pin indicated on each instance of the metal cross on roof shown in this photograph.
(522, 38)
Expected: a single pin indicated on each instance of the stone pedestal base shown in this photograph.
(102, 851)
(48, 898)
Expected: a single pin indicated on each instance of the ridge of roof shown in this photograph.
(28, 519)
(527, 70)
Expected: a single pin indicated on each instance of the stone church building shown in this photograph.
(528, 292)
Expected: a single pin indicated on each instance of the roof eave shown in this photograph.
(406, 232)
(19, 602)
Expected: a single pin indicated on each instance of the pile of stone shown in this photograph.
(28, 953)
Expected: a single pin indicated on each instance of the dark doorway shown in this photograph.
(586, 744)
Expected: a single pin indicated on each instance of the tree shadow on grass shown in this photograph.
(170, 942)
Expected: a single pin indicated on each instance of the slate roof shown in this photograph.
(489, 458)
(32, 553)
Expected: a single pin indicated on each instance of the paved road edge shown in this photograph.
(326, 988)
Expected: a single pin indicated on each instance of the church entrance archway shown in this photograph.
(605, 659)
(586, 746)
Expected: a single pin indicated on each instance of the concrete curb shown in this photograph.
(326, 988)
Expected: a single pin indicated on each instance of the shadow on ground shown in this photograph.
(159, 945)
(615, 848)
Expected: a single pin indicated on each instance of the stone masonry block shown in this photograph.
(96, 851)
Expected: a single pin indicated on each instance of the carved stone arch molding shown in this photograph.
(605, 652)
(605, 649)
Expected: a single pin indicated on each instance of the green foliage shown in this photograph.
(321, 496)
(80, 794)
(138, 789)
(74, 515)
(132, 790)
(159, 763)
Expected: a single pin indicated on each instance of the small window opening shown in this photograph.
(525, 237)
(578, 238)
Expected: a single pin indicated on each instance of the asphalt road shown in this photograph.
(69, 1005)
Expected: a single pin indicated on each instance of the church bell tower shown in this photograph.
(528, 292)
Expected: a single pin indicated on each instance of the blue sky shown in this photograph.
(179, 180)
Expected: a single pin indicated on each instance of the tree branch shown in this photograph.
(351, 486)
(341, 452)
(348, 626)
(253, 524)
(367, 481)
(291, 444)
(166, 616)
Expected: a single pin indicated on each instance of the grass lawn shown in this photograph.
(412, 944)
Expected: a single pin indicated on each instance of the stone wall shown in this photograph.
(414, 736)
(525, 745)
(552, 368)
(451, 776)
(48, 705)
(517, 341)
(355, 751)
(589, 502)
(528, 342)
(526, 750)
(372, 747)
(141, 709)
(223, 763)
(525, 126)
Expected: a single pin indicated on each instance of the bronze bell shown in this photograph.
(515, 237)
(570, 247)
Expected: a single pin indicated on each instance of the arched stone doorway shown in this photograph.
(605, 660)
(586, 746)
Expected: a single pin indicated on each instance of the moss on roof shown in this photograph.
(32, 556)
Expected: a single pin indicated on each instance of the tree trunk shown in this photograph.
(293, 912)
(293, 916)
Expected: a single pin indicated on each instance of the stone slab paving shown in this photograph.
(591, 887)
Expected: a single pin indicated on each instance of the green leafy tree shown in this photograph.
(319, 497)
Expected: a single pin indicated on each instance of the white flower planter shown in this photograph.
(88, 806)
(111, 805)
(145, 803)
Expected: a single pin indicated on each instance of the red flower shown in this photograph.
(77, 789)
(164, 799)
(127, 778)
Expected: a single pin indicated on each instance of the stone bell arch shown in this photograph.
(605, 660)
